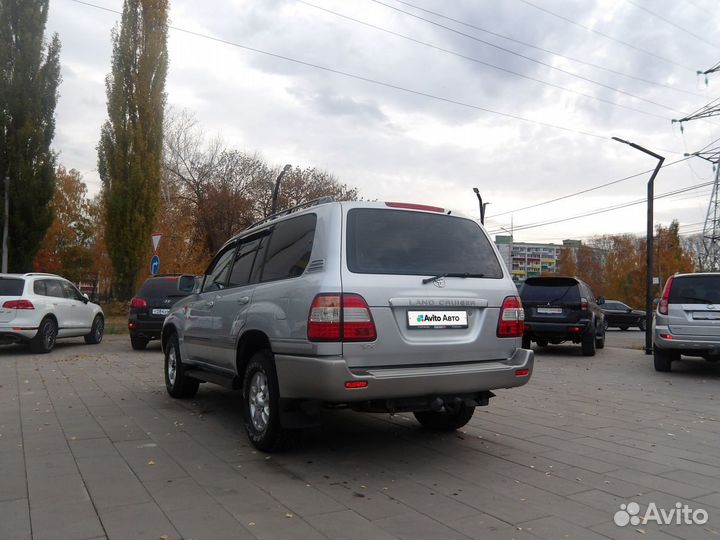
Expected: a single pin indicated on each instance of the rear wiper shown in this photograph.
(452, 274)
(561, 296)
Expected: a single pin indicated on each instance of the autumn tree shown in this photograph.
(67, 246)
(590, 262)
(221, 190)
(28, 95)
(566, 262)
(130, 148)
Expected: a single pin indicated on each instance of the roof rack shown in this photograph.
(302, 206)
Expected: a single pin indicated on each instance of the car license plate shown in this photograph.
(549, 310)
(437, 319)
(706, 316)
(160, 311)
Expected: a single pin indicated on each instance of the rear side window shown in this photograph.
(11, 286)
(159, 287)
(417, 243)
(244, 259)
(40, 287)
(54, 288)
(288, 252)
(695, 290)
(550, 290)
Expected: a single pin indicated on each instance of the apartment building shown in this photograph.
(526, 259)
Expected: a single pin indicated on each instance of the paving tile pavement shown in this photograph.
(91, 446)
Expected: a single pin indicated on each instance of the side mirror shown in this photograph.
(86, 298)
(186, 284)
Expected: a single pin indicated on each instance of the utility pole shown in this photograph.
(6, 225)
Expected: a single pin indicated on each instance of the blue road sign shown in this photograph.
(154, 265)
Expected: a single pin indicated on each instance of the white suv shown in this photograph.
(39, 308)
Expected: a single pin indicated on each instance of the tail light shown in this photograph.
(411, 206)
(138, 303)
(512, 318)
(583, 304)
(663, 305)
(340, 317)
(18, 304)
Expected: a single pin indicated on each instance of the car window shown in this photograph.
(54, 288)
(243, 264)
(695, 290)
(288, 252)
(404, 242)
(11, 286)
(40, 287)
(613, 305)
(217, 273)
(550, 290)
(159, 287)
(69, 291)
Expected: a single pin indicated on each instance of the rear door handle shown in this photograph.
(243, 300)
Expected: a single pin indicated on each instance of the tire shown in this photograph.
(588, 344)
(178, 385)
(138, 343)
(96, 331)
(526, 343)
(663, 359)
(624, 328)
(261, 404)
(542, 342)
(444, 421)
(600, 341)
(642, 325)
(44, 340)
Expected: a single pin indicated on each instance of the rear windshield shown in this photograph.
(695, 290)
(159, 287)
(11, 286)
(550, 290)
(416, 243)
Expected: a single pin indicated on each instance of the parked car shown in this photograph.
(620, 315)
(687, 319)
(559, 309)
(149, 307)
(37, 309)
(372, 306)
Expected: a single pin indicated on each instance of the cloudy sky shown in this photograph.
(517, 97)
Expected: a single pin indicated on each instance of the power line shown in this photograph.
(576, 193)
(668, 21)
(603, 210)
(542, 49)
(365, 79)
(607, 36)
(482, 62)
(529, 58)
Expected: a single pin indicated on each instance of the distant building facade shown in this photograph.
(526, 259)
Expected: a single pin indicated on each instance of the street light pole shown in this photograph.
(276, 191)
(482, 205)
(6, 226)
(649, 241)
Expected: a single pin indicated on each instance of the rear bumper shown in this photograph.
(324, 378)
(146, 329)
(686, 343)
(17, 333)
(555, 330)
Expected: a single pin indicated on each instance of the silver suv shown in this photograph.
(687, 319)
(373, 306)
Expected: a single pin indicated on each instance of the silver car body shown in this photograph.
(218, 329)
(691, 325)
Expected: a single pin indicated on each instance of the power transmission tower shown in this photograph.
(710, 250)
